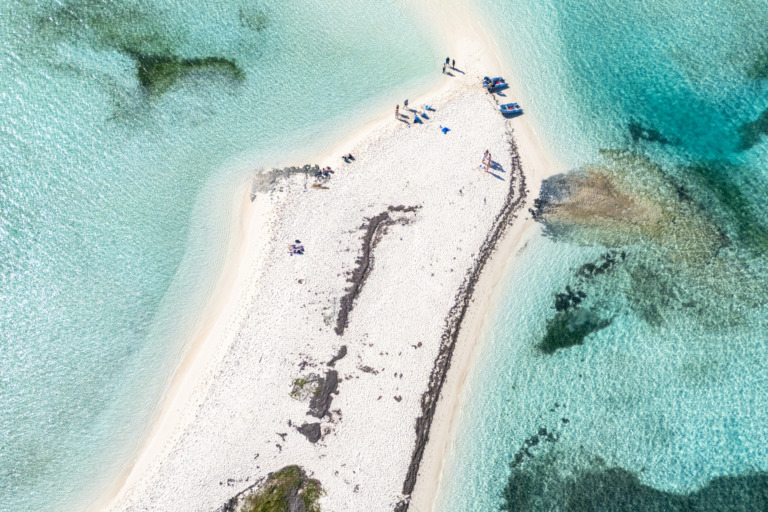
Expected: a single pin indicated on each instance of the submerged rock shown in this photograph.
(752, 132)
(569, 328)
(158, 73)
(639, 132)
(141, 32)
(548, 484)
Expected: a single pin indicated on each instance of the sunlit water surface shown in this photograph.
(625, 367)
(118, 187)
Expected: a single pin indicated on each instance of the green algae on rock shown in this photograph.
(287, 490)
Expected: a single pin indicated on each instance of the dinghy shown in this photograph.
(496, 83)
(510, 109)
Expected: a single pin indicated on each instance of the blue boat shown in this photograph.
(510, 109)
(494, 83)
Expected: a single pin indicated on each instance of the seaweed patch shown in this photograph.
(639, 132)
(158, 73)
(752, 132)
(577, 482)
(141, 33)
(570, 328)
(693, 234)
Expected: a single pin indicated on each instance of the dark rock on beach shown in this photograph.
(340, 355)
(311, 431)
(321, 401)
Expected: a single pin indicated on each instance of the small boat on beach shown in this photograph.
(510, 109)
(494, 83)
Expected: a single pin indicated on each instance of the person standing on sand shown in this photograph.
(447, 61)
(397, 111)
(405, 104)
(443, 68)
(453, 64)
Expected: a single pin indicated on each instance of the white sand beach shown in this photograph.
(407, 219)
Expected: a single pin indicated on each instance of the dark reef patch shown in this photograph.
(751, 133)
(570, 328)
(545, 485)
(606, 263)
(714, 183)
(158, 73)
(141, 32)
(253, 18)
(758, 69)
(696, 234)
(639, 132)
(569, 299)
(577, 315)
(526, 450)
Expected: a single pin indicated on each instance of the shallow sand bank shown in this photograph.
(230, 419)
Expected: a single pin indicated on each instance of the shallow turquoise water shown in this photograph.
(116, 195)
(625, 369)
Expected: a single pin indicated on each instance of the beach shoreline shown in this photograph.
(250, 223)
(199, 369)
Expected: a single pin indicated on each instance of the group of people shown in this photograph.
(397, 109)
(418, 116)
(296, 248)
(486, 160)
(449, 62)
(324, 173)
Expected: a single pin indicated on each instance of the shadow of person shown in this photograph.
(496, 166)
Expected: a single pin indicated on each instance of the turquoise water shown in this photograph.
(129, 129)
(625, 368)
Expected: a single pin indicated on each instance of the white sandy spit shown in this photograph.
(234, 421)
